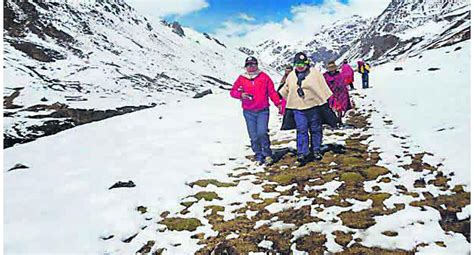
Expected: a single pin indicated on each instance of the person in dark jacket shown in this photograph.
(364, 69)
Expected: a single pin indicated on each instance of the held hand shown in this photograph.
(280, 108)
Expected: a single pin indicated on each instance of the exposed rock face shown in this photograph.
(247, 51)
(177, 29)
(8, 100)
(207, 36)
(327, 45)
(62, 118)
(220, 43)
(38, 52)
(406, 28)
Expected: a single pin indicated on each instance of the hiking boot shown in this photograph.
(258, 158)
(338, 149)
(301, 160)
(317, 155)
(268, 160)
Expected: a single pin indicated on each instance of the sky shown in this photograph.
(248, 23)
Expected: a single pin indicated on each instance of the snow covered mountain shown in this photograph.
(404, 28)
(328, 44)
(70, 63)
(408, 27)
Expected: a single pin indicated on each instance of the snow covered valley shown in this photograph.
(194, 190)
(107, 152)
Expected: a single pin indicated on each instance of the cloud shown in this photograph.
(163, 8)
(305, 21)
(246, 17)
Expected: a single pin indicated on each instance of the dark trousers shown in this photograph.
(308, 122)
(257, 127)
(365, 80)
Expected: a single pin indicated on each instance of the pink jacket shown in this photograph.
(261, 88)
(348, 73)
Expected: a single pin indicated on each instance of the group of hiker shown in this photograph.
(306, 98)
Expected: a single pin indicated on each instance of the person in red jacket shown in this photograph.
(348, 73)
(254, 88)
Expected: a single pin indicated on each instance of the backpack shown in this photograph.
(367, 67)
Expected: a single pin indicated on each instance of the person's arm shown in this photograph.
(236, 92)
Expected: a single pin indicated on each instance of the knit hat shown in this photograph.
(301, 58)
(251, 60)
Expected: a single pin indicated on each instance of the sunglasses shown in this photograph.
(251, 64)
(300, 64)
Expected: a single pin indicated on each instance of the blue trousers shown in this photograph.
(365, 80)
(257, 127)
(308, 121)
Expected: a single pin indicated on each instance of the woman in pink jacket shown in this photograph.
(254, 88)
(348, 73)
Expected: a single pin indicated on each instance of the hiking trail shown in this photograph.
(369, 200)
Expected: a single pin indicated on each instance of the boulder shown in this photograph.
(120, 184)
(203, 93)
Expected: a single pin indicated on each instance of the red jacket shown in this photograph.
(261, 88)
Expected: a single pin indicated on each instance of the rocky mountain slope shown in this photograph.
(67, 64)
(405, 28)
(328, 44)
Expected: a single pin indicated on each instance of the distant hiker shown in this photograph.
(348, 73)
(364, 69)
(253, 88)
(305, 90)
(288, 70)
(339, 101)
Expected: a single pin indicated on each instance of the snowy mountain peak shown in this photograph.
(408, 27)
(326, 45)
(404, 28)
